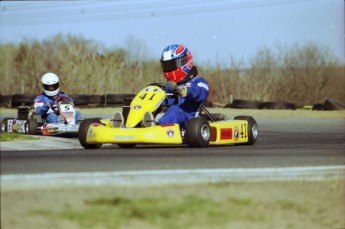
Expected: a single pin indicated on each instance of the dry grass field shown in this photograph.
(301, 74)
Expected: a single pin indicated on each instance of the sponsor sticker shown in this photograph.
(236, 133)
(170, 133)
(225, 133)
(51, 130)
(121, 137)
(18, 125)
(10, 124)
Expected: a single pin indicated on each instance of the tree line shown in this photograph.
(302, 74)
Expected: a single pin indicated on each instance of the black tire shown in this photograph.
(94, 100)
(128, 99)
(220, 117)
(23, 112)
(252, 129)
(277, 105)
(198, 132)
(208, 104)
(113, 99)
(6, 101)
(216, 116)
(318, 107)
(20, 99)
(80, 99)
(82, 133)
(4, 128)
(31, 127)
(243, 104)
(331, 104)
(127, 145)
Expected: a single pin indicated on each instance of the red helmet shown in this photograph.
(176, 62)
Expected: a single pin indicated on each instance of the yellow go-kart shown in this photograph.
(136, 125)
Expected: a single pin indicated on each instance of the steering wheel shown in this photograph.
(59, 99)
(161, 85)
(169, 94)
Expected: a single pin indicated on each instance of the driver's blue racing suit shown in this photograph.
(42, 103)
(186, 107)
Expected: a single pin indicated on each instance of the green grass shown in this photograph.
(290, 204)
(161, 212)
(13, 136)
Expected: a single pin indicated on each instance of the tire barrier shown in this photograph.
(6, 101)
(318, 107)
(128, 99)
(248, 104)
(208, 104)
(277, 105)
(329, 105)
(243, 104)
(22, 99)
(111, 100)
(79, 100)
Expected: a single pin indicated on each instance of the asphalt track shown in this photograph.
(282, 143)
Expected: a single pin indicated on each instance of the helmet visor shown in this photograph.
(51, 87)
(171, 65)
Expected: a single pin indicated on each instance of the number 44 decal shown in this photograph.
(144, 96)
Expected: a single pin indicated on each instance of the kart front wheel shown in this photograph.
(31, 126)
(198, 132)
(82, 133)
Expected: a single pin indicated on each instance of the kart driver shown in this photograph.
(182, 79)
(45, 104)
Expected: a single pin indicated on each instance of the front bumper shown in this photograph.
(100, 134)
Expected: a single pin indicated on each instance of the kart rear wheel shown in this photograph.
(82, 133)
(198, 132)
(31, 126)
(252, 129)
(4, 125)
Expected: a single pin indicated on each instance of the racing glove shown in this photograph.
(181, 90)
(170, 86)
(50, 110)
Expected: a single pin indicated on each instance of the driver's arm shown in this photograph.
(40, 106)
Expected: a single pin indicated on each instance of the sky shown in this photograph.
(214, 30)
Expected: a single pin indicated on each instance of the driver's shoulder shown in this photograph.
(198, 79)
(63, 94)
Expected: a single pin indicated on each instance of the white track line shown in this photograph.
(182, 176)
